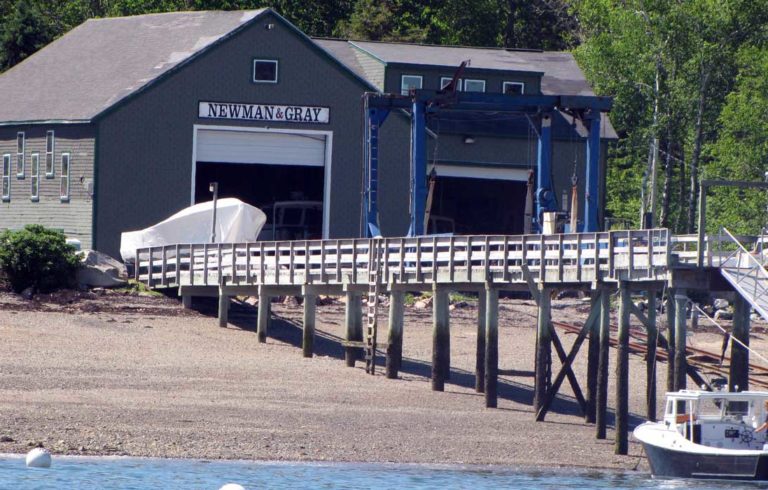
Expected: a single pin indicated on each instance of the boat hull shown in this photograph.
(674, 463)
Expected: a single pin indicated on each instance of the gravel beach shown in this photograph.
(116, 374)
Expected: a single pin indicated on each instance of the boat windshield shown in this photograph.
(712, 407)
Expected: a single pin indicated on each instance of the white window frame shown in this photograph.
(444, 81)
(518, 84)
(277, 70)
(64, 182)
(34, 176)
(473, 80)
(50, 151)
(406, 91)
(6, 184)
(20, 154)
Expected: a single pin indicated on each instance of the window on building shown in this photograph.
(50, 145)
(410, 82)
(444, 81)
(7, 177)
(265, 71)
(65, 168)
(34, 177)
(474, 85)
(513, 88)
(20, 143)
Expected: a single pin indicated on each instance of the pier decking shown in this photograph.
(648, 261)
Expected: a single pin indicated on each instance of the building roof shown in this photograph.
(102, 61)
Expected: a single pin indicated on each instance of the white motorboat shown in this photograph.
(708, 435)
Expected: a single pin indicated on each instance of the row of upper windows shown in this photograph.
(34, 163)
(415, 82)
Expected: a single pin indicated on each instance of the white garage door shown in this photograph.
(265, 147)
(479, 172)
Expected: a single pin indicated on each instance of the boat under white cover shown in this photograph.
(709, 435)
(236, 221)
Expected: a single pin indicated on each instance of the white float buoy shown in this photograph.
(39, 458)
(232, 486)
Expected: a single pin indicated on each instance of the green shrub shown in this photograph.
(37, 257)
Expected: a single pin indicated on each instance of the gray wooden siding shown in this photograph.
(374, 69)
(72, 217)
(145, 145)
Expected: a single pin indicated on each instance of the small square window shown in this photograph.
(513, 88)
(474, 85)
(410, 82)
(265, 71)
(444, 81)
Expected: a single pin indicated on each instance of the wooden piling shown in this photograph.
(650, 360)
(593, 358)
(223, 309)
(308, 330)
(262, 320)
(491, 346)
(739, 370)
(441, 338)
(186, 301)
(681, 363)
(354, 327)
(622, 371)
(601, 403)
(480, 348)
(543, 367)
(670, 340)
(395, 333)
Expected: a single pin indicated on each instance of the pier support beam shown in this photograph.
(739, 371)
(601, 405)
(491, 346)
(441, 339)
(395, 333)
(223, 308)
(480, 352)
(262, 320)
(670, 339)
(593, 358)
(308, 330)
(354, 327)
(543, 368)
(186, 301)
(681, 364)
(622, 371)
(650, 361)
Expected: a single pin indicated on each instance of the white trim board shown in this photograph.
(477, 172)
(328, 135)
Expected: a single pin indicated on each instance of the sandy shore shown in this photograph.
(140, 376)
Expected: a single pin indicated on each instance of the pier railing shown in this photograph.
(562, 258)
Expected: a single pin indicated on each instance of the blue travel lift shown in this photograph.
(538, 110)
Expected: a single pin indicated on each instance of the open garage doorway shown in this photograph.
(478, 206)
(284, 173)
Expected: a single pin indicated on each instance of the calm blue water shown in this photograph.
(138, 473)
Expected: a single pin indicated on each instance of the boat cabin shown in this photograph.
(718, 419)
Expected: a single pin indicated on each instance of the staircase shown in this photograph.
(746, 273)
(373, 303)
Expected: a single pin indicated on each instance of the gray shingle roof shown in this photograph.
(561, 73)
(102, 61)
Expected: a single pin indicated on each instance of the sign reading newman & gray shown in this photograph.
(264, 112)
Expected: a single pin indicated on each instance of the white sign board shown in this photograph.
(264, 112)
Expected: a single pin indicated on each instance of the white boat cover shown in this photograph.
(236, 221)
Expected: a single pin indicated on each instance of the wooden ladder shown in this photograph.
(373, 303)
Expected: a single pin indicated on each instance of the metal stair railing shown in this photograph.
(748, 275)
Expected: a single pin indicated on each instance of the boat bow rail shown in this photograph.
(639, 255)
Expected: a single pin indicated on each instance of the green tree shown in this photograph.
(23, 32)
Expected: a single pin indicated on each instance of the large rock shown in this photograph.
(100, 270)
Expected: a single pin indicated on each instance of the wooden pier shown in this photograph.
(600, 264)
